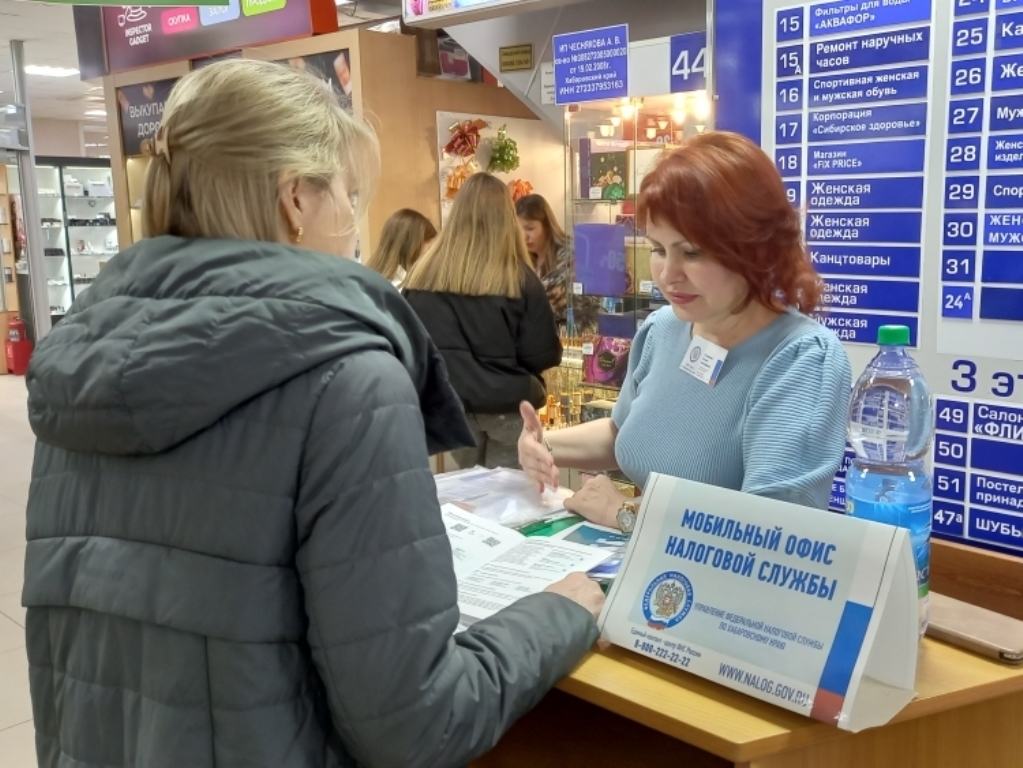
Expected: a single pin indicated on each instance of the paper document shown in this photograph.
(496, 566)
(505, 496)
(474, 540)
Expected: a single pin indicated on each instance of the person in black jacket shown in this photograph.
(236, 556)
(487, 311)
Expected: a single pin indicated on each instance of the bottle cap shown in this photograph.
(893, 335)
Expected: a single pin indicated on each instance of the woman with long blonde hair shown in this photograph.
(404, 238)
(479, 297)
(236, 555)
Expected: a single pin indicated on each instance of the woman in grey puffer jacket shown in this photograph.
(236, 557)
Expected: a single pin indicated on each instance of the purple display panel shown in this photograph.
(140, 36)
(600, 258)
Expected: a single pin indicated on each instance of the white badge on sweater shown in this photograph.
(704, 360)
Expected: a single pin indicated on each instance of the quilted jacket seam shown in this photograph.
(371, 555)
(143, 325)
(301, 696)
(161, 476)
(411, 621)
(285, 566)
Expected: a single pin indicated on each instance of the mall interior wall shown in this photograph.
(402, 107)
(651, 23)
(387, 90)
(58, 138)
(404, 112)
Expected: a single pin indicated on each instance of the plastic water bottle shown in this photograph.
(891, 426)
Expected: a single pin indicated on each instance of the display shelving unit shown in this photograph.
(610, 146)
(76, 204)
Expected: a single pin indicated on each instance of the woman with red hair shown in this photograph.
(733, 384)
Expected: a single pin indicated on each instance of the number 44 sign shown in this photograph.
(688, 62)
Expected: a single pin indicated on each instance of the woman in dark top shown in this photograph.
(551, 253)
(406, 235)
(477, 294)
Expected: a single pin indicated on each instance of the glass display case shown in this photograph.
(610, 147)
(76, 210)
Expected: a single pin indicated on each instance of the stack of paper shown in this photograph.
(495, 566)
(505, 496)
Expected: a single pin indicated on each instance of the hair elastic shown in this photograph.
(161, 144)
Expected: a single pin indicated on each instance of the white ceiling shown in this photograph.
(48, 30)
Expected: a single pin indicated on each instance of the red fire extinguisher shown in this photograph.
(19, 348)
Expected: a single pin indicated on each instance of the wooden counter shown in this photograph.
(619, 709)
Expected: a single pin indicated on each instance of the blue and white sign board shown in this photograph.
(591, 65)
(898, 128)
(809, 611)
(688, 62)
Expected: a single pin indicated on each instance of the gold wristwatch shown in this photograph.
(627, 516)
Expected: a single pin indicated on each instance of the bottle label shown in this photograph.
(916, 518)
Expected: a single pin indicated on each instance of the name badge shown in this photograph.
(704, 360)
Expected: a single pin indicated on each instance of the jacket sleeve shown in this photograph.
(538, 347)
(381, 596)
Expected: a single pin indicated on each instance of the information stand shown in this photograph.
(808, 611)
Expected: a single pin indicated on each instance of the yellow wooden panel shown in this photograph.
(740, 728)
(985, 735)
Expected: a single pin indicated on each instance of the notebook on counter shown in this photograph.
(976, 629)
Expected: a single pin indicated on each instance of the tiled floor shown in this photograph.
(17, 737)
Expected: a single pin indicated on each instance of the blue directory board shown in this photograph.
(592, 65)
(897, 126)
(856, 83)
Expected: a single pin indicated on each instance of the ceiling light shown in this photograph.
(95, 113)
(32, 69)
(701, 106)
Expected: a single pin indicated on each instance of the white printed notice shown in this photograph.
(808, 610)
(495, 566)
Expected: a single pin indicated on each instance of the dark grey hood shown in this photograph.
(174, 334)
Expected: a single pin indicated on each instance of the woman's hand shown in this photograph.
(598, 501)
(536, 461)
(581, 589)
